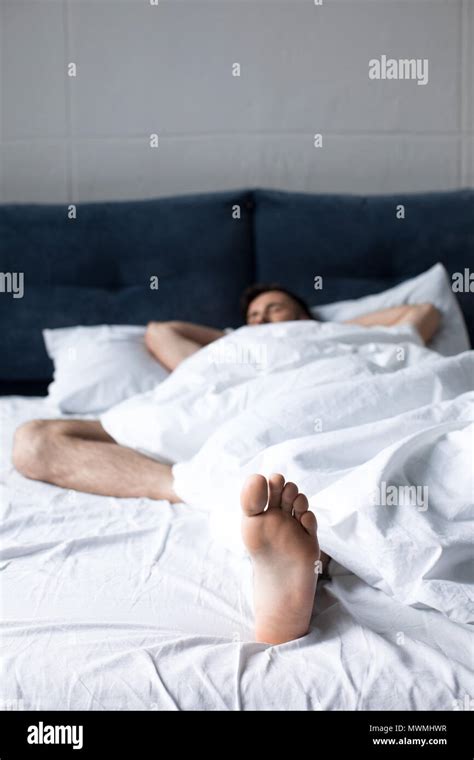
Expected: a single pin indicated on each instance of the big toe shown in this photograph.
(254, 494)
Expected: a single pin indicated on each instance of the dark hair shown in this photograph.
(253, 291)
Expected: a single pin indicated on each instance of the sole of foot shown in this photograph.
(280, 534)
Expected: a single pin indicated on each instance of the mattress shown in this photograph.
(132, 604)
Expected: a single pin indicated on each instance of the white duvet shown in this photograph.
(135, 604)
(375, 428)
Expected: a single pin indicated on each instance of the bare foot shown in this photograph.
(282, 542)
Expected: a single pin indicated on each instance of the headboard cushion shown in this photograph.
(358, 245)
(97, 268)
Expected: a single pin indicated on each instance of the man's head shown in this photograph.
(272, 303)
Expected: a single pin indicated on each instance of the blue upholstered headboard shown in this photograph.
(205, 249)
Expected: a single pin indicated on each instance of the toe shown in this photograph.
(309, 523)
(288, 497)
(254, 494)
(300, 505)
(276, 483)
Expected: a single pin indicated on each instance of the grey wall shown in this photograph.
(167, 69)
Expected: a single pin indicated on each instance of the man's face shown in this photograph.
(273, 307)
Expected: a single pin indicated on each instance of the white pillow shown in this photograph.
(432, 286)
(96, 367)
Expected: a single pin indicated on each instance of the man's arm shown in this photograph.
(424, 316)
(172, 342)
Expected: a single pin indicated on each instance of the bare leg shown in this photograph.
(80, 455)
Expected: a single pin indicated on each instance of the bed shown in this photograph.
(133, 604)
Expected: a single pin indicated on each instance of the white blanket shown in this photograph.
(375, 428)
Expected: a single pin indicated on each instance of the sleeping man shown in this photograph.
(278, 529)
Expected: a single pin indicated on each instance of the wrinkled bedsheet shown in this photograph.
(136, 604)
